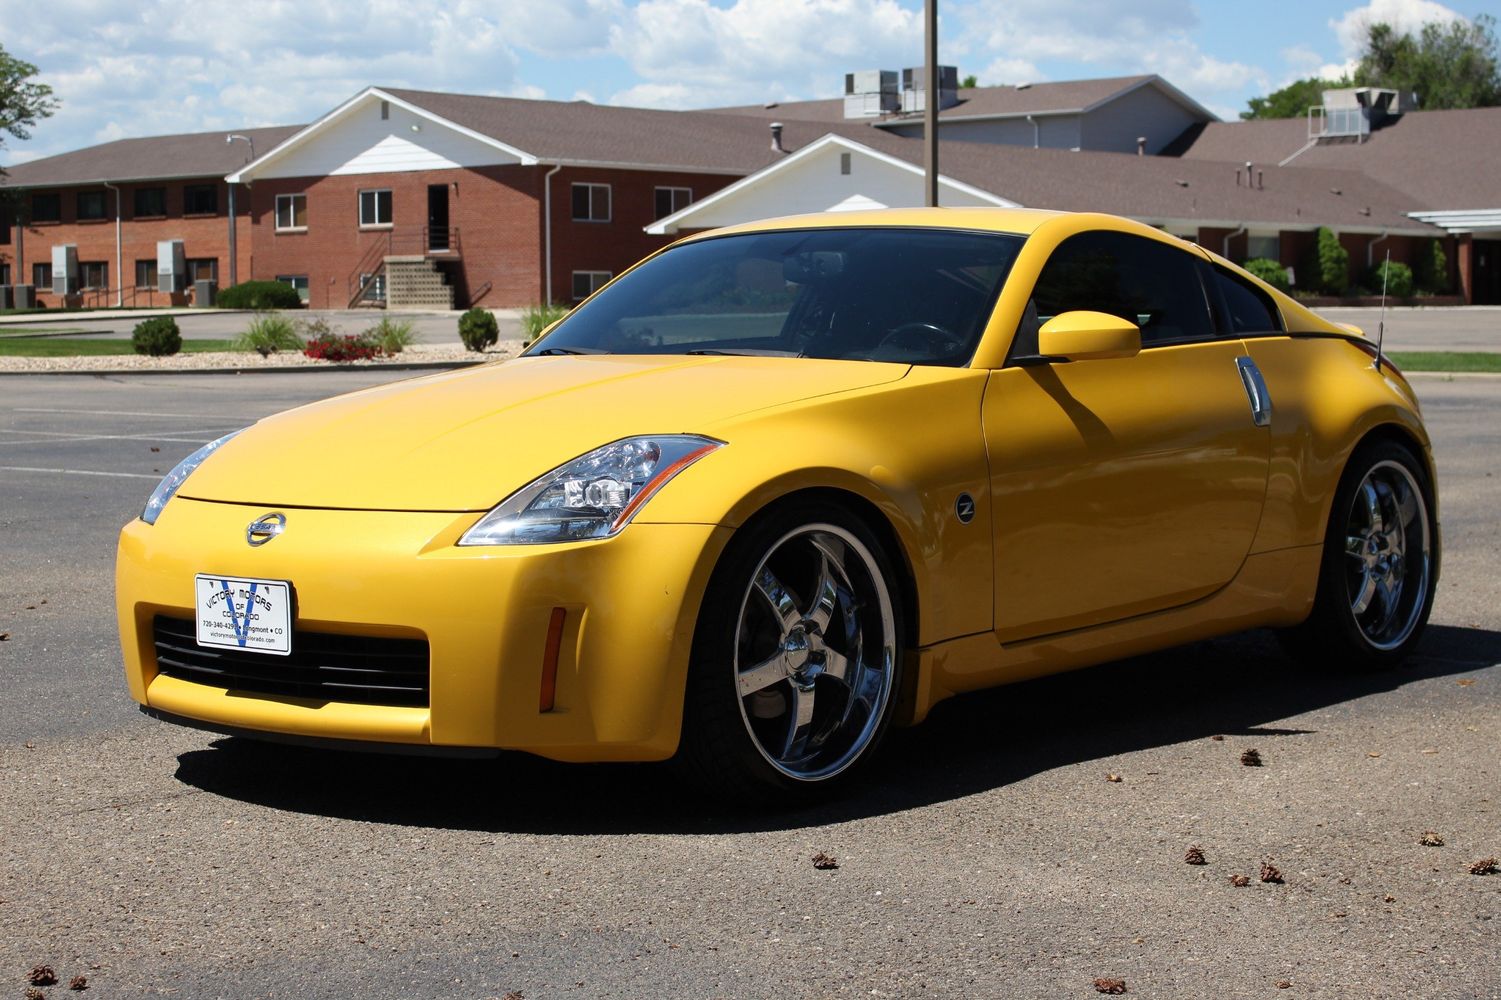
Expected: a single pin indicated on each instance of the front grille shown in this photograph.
(359, 669)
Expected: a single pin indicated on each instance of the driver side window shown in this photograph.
(1153, 285)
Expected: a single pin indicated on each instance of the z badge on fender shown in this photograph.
(235, 613)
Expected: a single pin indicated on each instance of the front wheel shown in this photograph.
(1380, 563)
(796, 656)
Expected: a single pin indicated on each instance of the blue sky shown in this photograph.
(162, 66)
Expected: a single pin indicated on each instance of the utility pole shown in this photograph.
(930, 102)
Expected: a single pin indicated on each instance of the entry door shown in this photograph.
(1487, 271)
(437, 218)
(1128, 485)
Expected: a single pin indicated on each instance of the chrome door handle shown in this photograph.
(1261, 401)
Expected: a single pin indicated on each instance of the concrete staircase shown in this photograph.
(414, 282)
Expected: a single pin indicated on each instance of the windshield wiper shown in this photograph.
(568, 350)
(746, 352)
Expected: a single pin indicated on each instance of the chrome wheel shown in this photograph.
(815, 652)
(1387, 564)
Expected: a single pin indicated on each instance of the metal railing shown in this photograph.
(366, 283)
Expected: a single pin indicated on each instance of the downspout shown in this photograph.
(119, 253)
(1370, 249)
(1225, 243)
(547, 232)
(234, 256)
(1036, 133)
(19, 278)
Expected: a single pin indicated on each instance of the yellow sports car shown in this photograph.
(784, 485)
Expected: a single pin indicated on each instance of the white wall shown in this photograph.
(815, 184)
(1146, 111)
(364, 143)
(1050, 132)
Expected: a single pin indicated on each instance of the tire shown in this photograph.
(796, 656)
(1380, 565)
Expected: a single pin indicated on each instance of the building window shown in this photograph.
(4, 274)
(150, 202)
(291, 212)
(200, 199)
(1263, 247)
(146, 275)
(375, 208)
(41, 275)
(672, 199)
(591, 203)
(4, 237)
(586, 283)
(297, 281)
(375, 287)
(90, 206)
(93, 274)
(46, 208)
(202, 269)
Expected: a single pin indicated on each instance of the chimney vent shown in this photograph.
(776, 137)
(1141, 145)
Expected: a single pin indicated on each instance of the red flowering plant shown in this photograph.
(324, 343)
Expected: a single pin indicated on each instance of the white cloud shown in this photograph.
(1404, 15)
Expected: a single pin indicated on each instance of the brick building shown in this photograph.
(419, 199)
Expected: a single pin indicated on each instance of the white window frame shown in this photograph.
(84, 266)
(592, 186)
(151, 283)
(375, 291)
(293, 279)
(673, 206)
(375, 201)
(38, 269)
(597, 280)
(290, 199)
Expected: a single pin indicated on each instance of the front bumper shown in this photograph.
(631, 603)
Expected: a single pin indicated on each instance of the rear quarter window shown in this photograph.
(1243, 307)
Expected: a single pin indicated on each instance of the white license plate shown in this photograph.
(236, 613)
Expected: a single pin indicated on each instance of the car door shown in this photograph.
(1121, 486)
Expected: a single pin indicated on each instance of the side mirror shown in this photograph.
(1083, 335)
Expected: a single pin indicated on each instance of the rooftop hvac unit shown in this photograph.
(65, 269)
(914, 92)
(870, 93)
(171, 266)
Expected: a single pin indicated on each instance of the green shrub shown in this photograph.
(478, 329)
(259, 295)
(1398, 279)
(535, 319)
(269, 333)
(1270, 271)
(157, 336)
(392, 334)
(1431, 268)
(1333, 273)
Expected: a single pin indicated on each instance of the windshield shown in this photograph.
(916, 296)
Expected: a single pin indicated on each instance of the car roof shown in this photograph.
(1020, 221)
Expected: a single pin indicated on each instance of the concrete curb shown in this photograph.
(279, 370)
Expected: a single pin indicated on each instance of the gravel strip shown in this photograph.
(250, 361)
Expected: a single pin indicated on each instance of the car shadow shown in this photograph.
(1238, 686)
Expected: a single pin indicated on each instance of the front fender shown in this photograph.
(908, 448)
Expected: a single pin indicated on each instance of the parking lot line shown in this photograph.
(67, 437)
(78, 472)
(120, 413)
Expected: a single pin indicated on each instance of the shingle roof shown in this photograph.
(1440, 159)
(196, 154)
(580, 132)
(1163, 188)
(1037, 98)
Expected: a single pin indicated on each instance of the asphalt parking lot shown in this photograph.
(988, 856)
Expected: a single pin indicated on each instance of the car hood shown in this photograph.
(463, 441)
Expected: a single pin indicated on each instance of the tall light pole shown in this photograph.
(234, 256)
(930, 102)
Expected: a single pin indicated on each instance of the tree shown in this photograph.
(969, 82)
(21, 101)
(1332, 261)
(1293, 100)
(1452, 65)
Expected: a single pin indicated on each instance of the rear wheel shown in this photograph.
(1380, 563)
(796, 656)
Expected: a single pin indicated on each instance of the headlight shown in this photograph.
(168, 487)
(593, 496)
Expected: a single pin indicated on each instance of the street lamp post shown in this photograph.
(930, 103)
